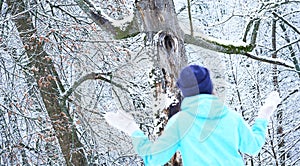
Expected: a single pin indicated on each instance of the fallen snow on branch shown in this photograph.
(225, 42)
(115, 23)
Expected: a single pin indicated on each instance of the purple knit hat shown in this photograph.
(194, 80)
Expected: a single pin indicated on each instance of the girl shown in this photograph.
(205, 131)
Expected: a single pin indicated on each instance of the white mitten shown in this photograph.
(122, 121)
(270, 106)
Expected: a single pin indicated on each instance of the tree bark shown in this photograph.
(159, 17)
(48, 82)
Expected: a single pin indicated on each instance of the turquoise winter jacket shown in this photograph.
(206, 133)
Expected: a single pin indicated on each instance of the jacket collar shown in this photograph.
(204, 106)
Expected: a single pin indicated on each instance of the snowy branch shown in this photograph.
(218, 45)
(274, 61)
(17, 15)
(290, 94)
(232, 48)
(286, 22)
(290, 48)
(254, 32)
(89, 76)
(110, 25)
(291, 130)
(287, 45)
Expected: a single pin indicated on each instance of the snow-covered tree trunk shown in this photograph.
(50, 87)
(159, 21)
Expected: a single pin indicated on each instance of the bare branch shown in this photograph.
(270, 60)
(286, 22)
(291, 130)
(288, 45)
(227, 19)
(250, 23)
(254, 32)
(90, 76)
(290, 94)
(190, 17)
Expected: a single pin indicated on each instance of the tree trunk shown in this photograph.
(160, 22)
(159, 17)
(49, 85)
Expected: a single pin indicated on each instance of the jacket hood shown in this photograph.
(204, 106)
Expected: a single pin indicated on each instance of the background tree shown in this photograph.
(52, 51)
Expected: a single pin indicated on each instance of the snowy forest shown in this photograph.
(64, 63)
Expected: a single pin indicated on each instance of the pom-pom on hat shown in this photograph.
(194, 80)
